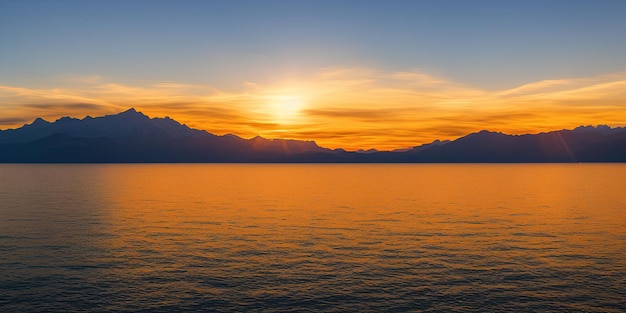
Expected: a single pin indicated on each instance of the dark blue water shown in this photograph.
(336, 238)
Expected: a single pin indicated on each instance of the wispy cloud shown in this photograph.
(12, 120)
(350, 107)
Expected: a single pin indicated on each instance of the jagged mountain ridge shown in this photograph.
(582, 144)
(128, 124)
(131, 136)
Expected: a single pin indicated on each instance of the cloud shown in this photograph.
(62, 106)
(12, 120)
(349, 107)
(371, 115)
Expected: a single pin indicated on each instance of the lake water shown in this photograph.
(336, 238)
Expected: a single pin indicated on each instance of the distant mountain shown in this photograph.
(132, 137)
(128, 124)
(583, 144)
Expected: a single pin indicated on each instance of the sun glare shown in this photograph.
(286, 109)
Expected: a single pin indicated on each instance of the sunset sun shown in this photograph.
(286, 108)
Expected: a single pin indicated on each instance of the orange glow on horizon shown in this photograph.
(349, 108)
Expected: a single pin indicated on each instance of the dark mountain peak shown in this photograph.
(229, 135)
(488, 132)
(584, 128)
(438, 142)
(131, 113)
(39, 122)
(599, 128)
(66, 120)
(480, 134)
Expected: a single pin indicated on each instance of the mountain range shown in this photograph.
(132, 137)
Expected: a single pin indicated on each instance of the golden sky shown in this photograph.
(380, 74)
(338, 107)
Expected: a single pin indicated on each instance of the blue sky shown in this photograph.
(489, 44)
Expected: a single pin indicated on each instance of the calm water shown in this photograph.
(432, 238)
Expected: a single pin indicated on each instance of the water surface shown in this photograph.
(432, 238)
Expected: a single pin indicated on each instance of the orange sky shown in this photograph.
(380, 74)
(348, 107)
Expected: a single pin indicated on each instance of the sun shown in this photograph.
(286, 109)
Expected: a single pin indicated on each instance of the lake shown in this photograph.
(308, 237)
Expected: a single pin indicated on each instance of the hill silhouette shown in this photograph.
(132, 137)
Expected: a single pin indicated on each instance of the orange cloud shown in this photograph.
(351, 107)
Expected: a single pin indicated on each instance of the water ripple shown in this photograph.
(107, 239)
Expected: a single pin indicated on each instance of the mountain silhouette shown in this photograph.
(132, 137)
(583, 144)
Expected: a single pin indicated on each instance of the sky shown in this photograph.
(350, 74)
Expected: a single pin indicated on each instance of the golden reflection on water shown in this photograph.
(348, 205)
(410, 236)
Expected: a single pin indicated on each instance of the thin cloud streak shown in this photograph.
(347, 107)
